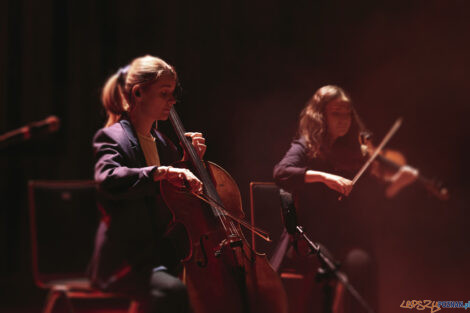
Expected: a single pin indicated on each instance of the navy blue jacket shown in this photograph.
(129, 239)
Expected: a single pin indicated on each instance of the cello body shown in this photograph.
(221, 271)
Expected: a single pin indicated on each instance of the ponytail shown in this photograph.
(112, 100)
(116, 95)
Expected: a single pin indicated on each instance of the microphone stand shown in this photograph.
(35, 129)
(329, 268)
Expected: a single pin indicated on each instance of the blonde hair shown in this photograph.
(116, 96)
(312, 122)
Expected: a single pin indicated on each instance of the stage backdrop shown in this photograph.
(247, 68)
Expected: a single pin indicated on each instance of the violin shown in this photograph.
(221, 271)
(390, 161)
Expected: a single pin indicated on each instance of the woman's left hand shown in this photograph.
(405, 176)
(199, 143)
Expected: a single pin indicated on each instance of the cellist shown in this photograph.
(131, 255)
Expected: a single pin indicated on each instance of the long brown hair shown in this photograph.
(313, 124)
(116, 96)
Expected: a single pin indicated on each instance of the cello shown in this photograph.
(221, 271)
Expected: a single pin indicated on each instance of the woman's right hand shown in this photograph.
(179, 177)
(335, 182)
(338, 183)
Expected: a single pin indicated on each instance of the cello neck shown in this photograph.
(198, 166)
(187, 146)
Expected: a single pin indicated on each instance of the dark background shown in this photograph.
(247, 68)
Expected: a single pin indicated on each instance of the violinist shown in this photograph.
(321, 161)
(132, 256)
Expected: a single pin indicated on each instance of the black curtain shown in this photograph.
(247, 68)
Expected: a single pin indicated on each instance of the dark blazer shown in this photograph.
(130, 236)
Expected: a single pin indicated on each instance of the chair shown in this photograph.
(273, 209)
(265, 212)
(63, 221)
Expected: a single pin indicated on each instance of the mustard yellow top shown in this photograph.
(149, 148)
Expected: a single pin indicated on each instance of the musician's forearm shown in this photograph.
(312, 176)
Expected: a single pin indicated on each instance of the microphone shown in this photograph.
(289, 212)
(48, 125)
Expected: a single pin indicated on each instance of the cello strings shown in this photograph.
(261, 233)
(178, 125)
(222, 209)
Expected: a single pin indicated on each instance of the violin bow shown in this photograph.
(374, 155)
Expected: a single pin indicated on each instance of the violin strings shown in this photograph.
(387, 137)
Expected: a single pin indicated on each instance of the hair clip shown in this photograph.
(122, 74)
